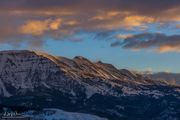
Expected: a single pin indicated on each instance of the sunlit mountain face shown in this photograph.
(68, 56)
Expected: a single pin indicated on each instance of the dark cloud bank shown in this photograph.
(160, 42)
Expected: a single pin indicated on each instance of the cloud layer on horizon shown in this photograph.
(31, 21)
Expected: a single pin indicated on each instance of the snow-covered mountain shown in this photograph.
(38, 80)
(172, 78)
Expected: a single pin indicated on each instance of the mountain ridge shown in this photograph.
(36, 79)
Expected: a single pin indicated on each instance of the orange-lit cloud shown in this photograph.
(55, 25)
(72, 22)
(38, 27)
(133, 21)
(34, 27)
(169, 48)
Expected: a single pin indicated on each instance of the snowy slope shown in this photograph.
(57, 114)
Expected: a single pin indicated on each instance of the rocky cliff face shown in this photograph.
(38, 80)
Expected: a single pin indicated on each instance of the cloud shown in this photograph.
(116, 43)
(34, 27)
(169, 48)
(133, 21)
(37, 19)
(178, 26)
(157, 41)
(124, 36)
(38, 27)
(141, 6)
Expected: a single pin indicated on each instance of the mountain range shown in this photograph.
(32, 80)
(172, 78)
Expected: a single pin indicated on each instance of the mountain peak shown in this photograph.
(80, 58)
(15, 51)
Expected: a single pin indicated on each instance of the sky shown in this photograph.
(142, 35)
